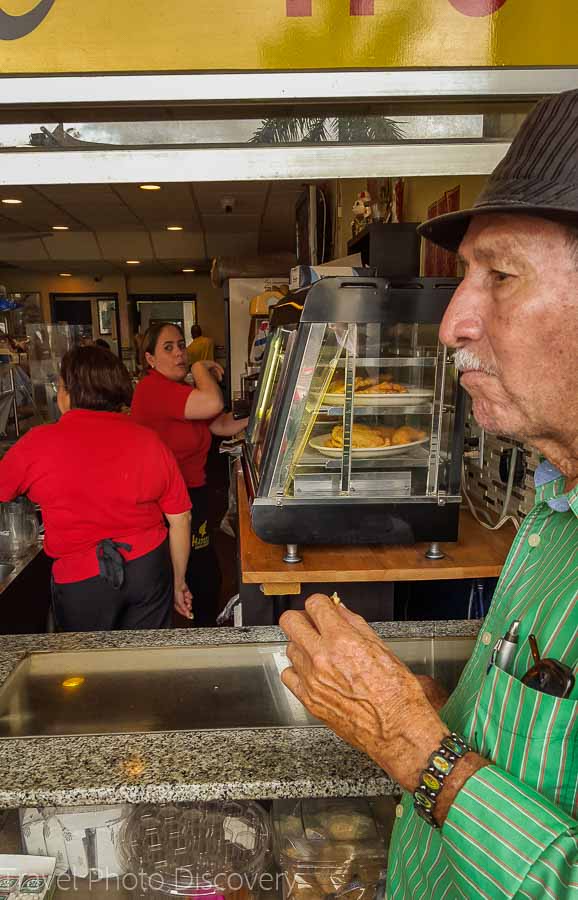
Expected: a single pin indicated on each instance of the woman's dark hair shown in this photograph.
(151, 339)
(96, 379)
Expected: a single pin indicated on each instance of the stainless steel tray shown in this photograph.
(161, 689)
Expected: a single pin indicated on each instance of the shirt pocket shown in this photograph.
(530, 734)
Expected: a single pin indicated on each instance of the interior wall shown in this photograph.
(421, 193)
(47, 284)
(210, 304)
(346, 194)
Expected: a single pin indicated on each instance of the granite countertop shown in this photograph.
(187, 765)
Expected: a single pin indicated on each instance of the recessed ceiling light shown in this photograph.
(188, 270)
(12, 200)
(133, 262)
(65, 275)
(174, 227)
(150, 187)
(60, 227)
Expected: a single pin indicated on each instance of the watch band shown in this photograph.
(440, 764)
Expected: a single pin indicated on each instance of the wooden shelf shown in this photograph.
(478, 553)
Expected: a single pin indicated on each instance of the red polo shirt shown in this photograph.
(95, 475)
(159, 403)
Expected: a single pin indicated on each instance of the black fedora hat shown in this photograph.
(538, 175)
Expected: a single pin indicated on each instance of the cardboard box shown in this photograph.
(304, 276)
(32, 876)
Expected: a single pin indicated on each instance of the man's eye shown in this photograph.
(500, 277)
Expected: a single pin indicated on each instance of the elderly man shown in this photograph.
(490, 779)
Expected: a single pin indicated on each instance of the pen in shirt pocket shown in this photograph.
(505, 648)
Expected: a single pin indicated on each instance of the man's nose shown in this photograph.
(462, 321)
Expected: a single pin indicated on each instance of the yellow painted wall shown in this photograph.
(421, 193)
(210, 306)
(47, 284)
(210, 303)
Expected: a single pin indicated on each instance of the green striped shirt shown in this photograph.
(512, 829)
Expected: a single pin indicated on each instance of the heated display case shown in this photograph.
(356, 433)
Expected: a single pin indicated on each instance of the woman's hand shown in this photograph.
(211, 366)
(183, 600)
(226, 425)
(346, 676)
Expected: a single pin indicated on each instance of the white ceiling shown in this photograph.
(110, 224)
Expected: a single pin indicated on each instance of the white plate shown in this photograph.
(318, 443)
(413, 397)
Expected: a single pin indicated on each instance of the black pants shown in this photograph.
(203, 572)
(144, 601)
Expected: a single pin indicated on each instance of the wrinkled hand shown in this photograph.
(434, 691)
(346, 676)
(183, 601)
(211, 366)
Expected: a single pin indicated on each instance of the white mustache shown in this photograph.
(466, 361)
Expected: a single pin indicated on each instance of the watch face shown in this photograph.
(442, 764)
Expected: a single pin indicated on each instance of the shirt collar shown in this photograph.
(549, 483)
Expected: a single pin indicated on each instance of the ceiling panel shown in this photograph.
(178, 245)
(233, 224)
(18, 251)
(72, 245)
(125, 245)
(172, 205)
(232, 244)
(109, 224)
(35, 212)
(94, 205)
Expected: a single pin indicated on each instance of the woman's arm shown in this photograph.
(206, 400)
(180, 546)
(16, 467)
(226, 426)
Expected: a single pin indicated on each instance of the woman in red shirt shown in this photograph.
(105, 486)
(185, 417)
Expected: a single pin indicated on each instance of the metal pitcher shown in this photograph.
(18, 528)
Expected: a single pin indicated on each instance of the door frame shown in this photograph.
(90, 295)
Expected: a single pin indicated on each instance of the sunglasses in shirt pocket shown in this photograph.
(530, 734)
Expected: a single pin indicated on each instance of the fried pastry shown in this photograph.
(337, 386)
(407, 435)
(362, 437)
(384, 387)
